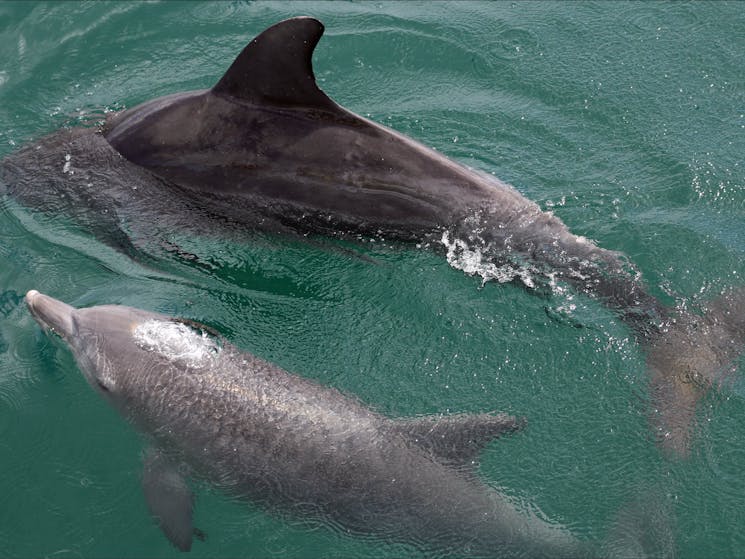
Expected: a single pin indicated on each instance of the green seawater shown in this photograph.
(625, 119)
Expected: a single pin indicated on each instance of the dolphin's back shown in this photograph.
(296, 160)
(306, 450)
(266, 135)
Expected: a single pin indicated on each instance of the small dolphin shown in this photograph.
(290, 444)
(266, 149)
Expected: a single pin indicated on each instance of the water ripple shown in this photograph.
(623, 116)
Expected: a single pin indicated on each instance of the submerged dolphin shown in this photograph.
(265, 148)
(290, 444)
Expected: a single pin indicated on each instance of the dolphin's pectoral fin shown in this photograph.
(458, 438)
(276, 68)
(169, 499)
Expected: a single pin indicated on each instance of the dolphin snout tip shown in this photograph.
(50, 313)
(31, 294)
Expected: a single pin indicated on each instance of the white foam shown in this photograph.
(66, 167)
(472, 261)
(176, 342)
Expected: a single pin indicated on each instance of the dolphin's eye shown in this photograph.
(101, 385)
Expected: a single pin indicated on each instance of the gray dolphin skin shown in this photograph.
(266, 149)
(292, 445)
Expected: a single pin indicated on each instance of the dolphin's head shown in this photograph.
(107, 340)
(124, 352)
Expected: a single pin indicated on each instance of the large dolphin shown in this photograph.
(265, 148)
(290, 444)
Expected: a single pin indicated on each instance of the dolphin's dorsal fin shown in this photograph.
(457, 439)
(276, 67)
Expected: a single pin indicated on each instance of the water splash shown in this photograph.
(176, 342)
(66, 166)
(473, 261)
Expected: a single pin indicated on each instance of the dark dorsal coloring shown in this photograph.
(276, 68)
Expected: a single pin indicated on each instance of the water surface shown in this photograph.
(625, 119)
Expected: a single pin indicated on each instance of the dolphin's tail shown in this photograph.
(691, 353)
(687, 352)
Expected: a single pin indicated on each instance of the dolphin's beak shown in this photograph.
(51, 313)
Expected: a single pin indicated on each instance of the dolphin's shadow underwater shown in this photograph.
(265, 149)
